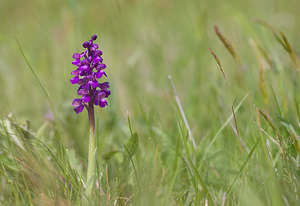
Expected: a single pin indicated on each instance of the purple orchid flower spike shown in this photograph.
(90, 70)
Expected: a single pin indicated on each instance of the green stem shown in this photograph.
(92, 152)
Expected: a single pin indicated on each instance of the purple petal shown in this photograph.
(83, 53)
(80, 82)
(75, 72)
(85, 62)
(85, 44)
(99, 74)
(89, 78)
(93, 49)
(101, 66)
(95, 84)
(74, 80)
(82, 92)
(107, 93)
(78, 109)
(87, 87)
(97, 59)
(98, 53)
(76, 56)
(96, 46)
(101, 95)
(104, 86)
(86, 98)
(76, 102)
(96, 101)
(103, 103)
(76, 62)
(84, 67)
(94, 37)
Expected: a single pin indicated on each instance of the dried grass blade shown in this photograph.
(220, 65)
(271, 123)
(227, 44)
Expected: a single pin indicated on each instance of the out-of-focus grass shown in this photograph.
(44, 161)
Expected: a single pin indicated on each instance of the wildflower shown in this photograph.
(90, 70)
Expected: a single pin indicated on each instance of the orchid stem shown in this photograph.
(92, 151)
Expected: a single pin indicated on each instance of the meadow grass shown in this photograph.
(204, 110)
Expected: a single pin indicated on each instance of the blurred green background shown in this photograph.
(143, 42)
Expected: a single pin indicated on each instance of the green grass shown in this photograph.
(246, 132)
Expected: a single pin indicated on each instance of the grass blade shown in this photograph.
(220, 130)
(31, 69)
(281, 38)
(227, 44)
(236, 127)
(271, 123)
(219, 63)
(182, 112)
(243, 166)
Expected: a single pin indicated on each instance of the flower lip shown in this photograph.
(77, 102)
(99, 74)
(74, 80)
(103, 103)
(78, 109)
(76, 62)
